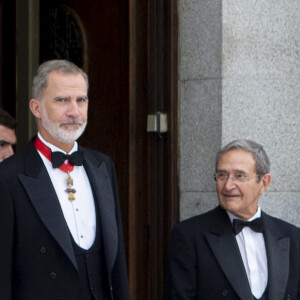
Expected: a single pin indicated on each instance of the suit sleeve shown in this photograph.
(298, 291)
(6, 244)
(182, 270)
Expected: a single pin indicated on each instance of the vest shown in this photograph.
(93, 284)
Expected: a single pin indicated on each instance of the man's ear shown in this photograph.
(35, 107)
(266, 180)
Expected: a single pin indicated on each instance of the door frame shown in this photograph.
(152, 173)
(153, 60)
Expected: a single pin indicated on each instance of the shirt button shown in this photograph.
(225, 293)
(43, 250)
(52, 275)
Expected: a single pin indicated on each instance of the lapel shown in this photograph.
(225, 249)
(103, 193)
(41, 193)
(278, 248)
(39, 188)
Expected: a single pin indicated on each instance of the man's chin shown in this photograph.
(65, 134)
(68, 137)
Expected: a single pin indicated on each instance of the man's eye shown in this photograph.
(222, 175)
(60, 99)
(239, 175)
(82, 99)
(3, 144)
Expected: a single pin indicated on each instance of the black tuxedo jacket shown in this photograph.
(205, 261)
(36, 255)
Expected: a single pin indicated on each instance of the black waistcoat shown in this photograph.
(93, 284)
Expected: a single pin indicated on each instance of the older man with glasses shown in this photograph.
(236, 251)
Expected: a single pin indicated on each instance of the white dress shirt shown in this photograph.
(80, 213)
(253, 251)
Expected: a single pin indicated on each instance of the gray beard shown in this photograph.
(60, 134)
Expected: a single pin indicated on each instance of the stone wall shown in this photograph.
(239, 77)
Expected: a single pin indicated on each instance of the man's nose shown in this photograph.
(10, 150)
(7, 152)
(73, 109)
(230, 183)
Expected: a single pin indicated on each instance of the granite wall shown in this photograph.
(239, 77)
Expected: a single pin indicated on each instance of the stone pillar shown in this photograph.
(200, 102)
(239, 77)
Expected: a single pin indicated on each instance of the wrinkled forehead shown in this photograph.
(236, 159)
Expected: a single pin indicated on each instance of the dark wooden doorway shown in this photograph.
(153, 186)
(7, 56)
(129, 50)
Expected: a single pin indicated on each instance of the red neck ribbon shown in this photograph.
(40, 146)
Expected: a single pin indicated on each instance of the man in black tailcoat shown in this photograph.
(236, 251)
(61, 233)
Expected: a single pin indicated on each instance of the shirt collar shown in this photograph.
(257, 215)
(54, 148)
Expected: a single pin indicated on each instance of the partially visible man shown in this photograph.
(236, 251)
(7, 134)
(61, 232)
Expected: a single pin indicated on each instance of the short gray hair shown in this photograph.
(262, 162)
(40, 81)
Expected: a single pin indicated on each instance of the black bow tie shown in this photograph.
(256, 225)
(58, 158)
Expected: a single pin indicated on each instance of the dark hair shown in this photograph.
(7, 120)
(262, 162)
(40, 81)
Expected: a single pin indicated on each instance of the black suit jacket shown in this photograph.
(205, 261)
(36, 255)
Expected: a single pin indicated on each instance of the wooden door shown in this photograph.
(7, 56)
(129, 50)
(153, 201)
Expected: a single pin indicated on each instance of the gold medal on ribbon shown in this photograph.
(70, 190)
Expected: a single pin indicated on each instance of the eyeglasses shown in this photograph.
(237, 177)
